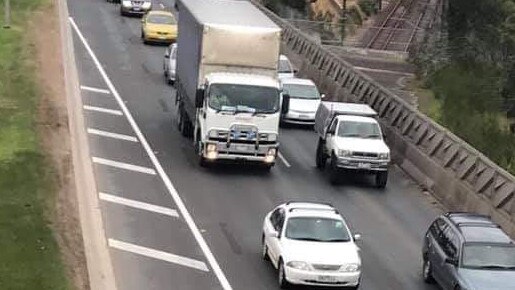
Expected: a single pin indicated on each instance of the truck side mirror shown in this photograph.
(286, 104)
(199, 98)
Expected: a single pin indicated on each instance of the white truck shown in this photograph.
(351, 138)
(228, 93)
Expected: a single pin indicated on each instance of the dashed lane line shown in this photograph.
(103, 110)
(112, 135)
(166, 180)
(284, 160)
(95, 90)
(156, 254)
(137, 204)
(123, 165)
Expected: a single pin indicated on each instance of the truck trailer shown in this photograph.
(228, 93)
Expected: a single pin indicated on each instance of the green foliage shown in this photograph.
(29, 256)
(355, 16)
(469, 95)
(368, 7)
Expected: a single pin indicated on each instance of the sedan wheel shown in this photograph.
(282, 276)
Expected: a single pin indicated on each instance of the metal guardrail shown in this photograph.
(459, 175)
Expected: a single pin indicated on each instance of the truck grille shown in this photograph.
(323, 267)
(368, 155)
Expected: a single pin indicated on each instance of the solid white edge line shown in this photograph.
(102, 110)
(283, 160)
(156, 254)
(166, 180)
(377, 70)
(112, 135)
(95, 90)
(123, 165)
(137, 204)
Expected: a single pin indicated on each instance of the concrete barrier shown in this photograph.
(462, 178)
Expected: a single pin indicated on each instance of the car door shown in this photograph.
(449, 270)
(274, 246)
(436, 252)
(166, 62)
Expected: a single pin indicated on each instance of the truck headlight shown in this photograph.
(270, 155)
(268, 137)
(384, 155)
(126, 3)
(350, 268)
(299, 265)
(211, 152)
(344, 153)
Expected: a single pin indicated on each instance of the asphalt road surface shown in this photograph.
(173, 225)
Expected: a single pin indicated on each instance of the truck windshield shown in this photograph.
(301, 91)
(359, 129)
(243, 98)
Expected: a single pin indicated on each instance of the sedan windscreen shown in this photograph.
(317, 229)
(161, 19)
(489, 256)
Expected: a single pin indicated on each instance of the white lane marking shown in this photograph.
(112, 135)
(162, 5)
(122, 165)
(166, 180)
(284, 160)
(95, 90)
(137, 204)
(384, 71)
(148, 252)
(103, 110)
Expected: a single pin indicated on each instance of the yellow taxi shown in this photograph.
(158, 26)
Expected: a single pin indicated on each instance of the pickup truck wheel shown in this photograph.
(427, 271)
(320, 158)
(381, 179)
(334, 176)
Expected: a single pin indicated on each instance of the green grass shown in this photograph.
(29, 255)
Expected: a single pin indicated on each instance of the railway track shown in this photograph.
(400, 26)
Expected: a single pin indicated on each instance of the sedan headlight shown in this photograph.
(126, 3)
(298, 265)
(350, 268)
(384, 155)
(344, 153)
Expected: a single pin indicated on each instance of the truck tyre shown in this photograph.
(334, 176)
(198, 150)
(320, 157)
(381, 179)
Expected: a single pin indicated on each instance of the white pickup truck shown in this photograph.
(351, 138)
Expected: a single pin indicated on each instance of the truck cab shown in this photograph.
(352, 140)
(238, 118)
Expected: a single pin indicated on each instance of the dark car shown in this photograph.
(465, 251)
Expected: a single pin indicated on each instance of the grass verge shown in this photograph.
(29, 255)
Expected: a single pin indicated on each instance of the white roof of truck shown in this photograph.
(228, 12)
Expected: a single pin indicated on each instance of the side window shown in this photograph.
(277, 219)
(450, 246)
(332, 128)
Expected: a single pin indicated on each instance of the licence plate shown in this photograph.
(364, 165)
(243, 148)
(327, 279)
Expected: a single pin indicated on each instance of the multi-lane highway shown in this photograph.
(173, 225)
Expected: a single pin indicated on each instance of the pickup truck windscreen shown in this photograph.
(301, 91)
(359, 130)
(243, 98)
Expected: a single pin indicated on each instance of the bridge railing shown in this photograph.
(461, 177)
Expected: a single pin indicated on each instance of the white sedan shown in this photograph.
(311, 244)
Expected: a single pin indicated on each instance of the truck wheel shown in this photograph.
(183, 123)
(334, 176)
(381, 179)
(198, 151)
(320, 158)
